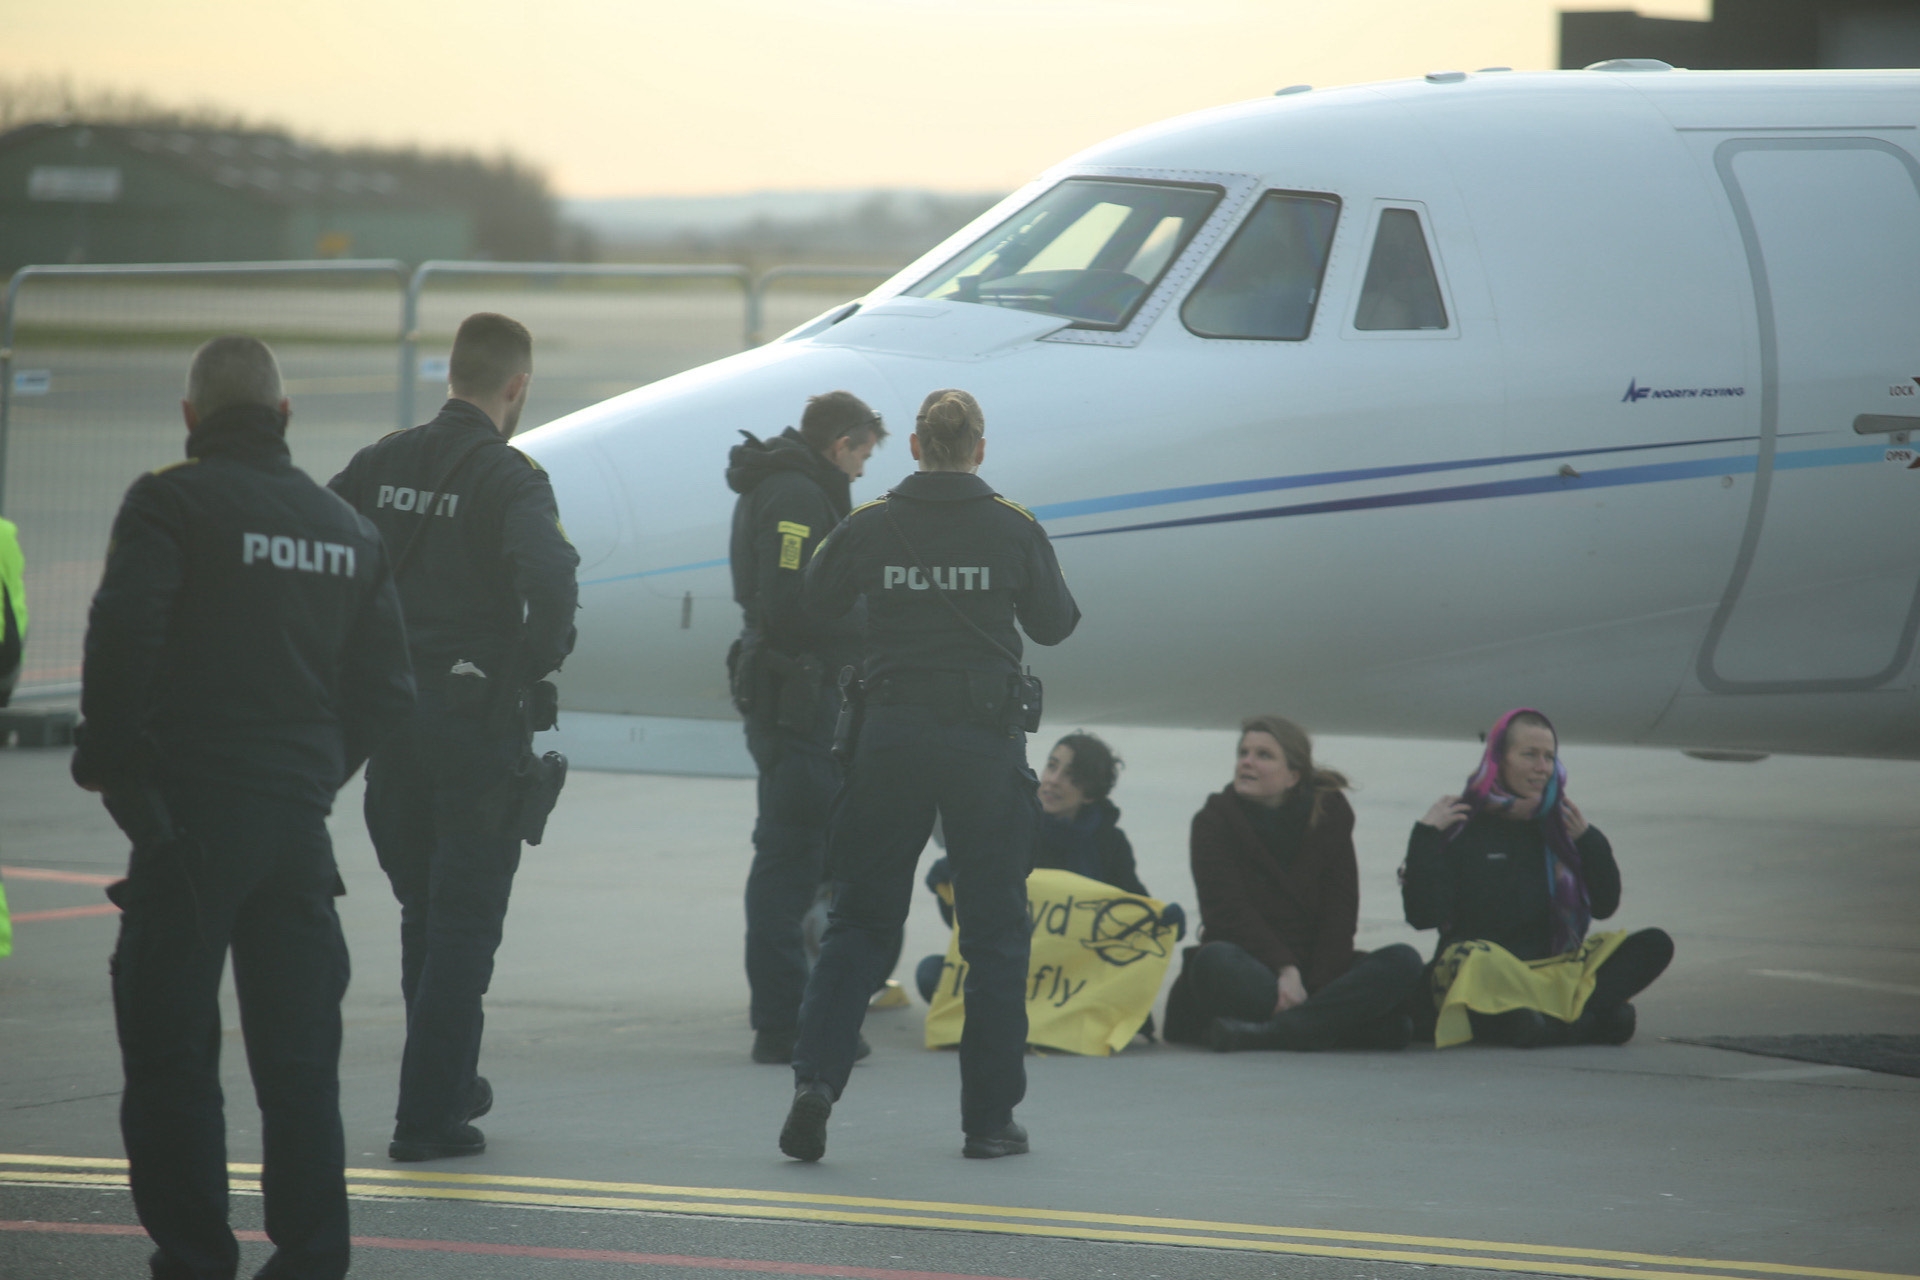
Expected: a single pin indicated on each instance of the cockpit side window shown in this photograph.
(1267, 282)
(1090, 249)
(1401, 290)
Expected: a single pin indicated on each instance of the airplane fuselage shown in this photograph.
(1630, 447)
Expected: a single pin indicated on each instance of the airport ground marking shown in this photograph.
(685, 1262)
(66, 913)
(55, 876)
(1839, 980)
(396, 1184)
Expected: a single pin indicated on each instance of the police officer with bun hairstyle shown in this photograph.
(946, 567)
(793, 490)
(486, 577)
(243, 654)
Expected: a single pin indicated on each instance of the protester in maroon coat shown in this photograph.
(1279, 903)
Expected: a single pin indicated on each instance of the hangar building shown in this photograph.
(131, 193)
(1753, 35)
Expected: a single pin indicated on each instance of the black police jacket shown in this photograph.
(492, 551)
(790, 500)
(990, 556)
(246, 630)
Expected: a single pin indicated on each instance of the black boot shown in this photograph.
(1516, 1028)
(804, 1136)
(1612, 1025)
(1393, 1032)
(1282, 1031)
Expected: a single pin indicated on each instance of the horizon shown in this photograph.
(756, 96)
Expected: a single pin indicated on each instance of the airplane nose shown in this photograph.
(640, 482)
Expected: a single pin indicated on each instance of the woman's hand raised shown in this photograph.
(1447, 811)
(1576, 820)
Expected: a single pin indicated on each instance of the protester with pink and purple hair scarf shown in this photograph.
(1512, 874)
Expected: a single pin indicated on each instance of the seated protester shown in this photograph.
(1511, 874)
(1279, 892)
(1079, 832)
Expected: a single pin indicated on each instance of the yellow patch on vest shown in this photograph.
(791, 537)
(173, 466)
(1009, 502)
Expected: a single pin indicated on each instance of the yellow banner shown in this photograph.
(1099, 956)
(1487, 978)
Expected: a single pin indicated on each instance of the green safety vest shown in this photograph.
(13, 575)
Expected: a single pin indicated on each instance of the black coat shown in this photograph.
(492, 550)
(791, 498)
(1055, 849)
(990, 555)
(246, 630)
(1299, 907)
(1490, 882)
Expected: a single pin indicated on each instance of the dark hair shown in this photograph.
(488, 351)
(839, 413)
(1297, 747)
(949, 425)
(1094, 768)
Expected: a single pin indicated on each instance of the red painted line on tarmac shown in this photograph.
(59, 877)
(685, 1262)
(66, 913)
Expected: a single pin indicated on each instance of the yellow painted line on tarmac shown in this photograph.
(730, 1202)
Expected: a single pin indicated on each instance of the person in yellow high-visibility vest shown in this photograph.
(13, 639)
(13, 611)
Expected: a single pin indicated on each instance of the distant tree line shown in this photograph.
(515, 215)
(885, 229)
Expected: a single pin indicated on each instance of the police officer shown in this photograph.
(793, 490)
(946, 565)
(243, 655)
(486, 578)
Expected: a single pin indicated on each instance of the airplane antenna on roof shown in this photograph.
(1292, 89)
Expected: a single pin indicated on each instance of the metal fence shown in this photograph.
(93, 358)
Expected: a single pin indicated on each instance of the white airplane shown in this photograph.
(1388, 407)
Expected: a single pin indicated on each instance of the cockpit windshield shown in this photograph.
(1089, 249)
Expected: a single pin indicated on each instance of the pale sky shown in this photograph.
(653, 97)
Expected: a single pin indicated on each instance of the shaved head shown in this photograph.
(233, 370)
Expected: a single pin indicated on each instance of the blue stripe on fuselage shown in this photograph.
(1313, 479)
(1650, 473)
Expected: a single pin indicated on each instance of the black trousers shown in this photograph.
(434, 799)
(1223, 980)
(255, 876)
(798, 783)
(1641, 957)
(910, 765)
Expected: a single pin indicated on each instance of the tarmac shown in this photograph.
(632, 1135)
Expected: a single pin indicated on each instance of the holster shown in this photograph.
(743, 669)
(773, 688)
(852, 717)
(535, 782)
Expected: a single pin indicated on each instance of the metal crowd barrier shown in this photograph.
(111, 346)
(157, 271)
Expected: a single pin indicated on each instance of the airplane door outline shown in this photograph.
(1705, 669)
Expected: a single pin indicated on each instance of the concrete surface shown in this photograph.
(617, 1047)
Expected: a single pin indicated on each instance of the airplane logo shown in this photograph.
(1636, 392)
